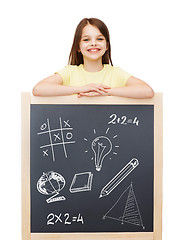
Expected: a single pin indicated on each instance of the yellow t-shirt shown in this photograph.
(74, 75)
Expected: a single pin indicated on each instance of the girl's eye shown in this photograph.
(100, 39)
(86, 39)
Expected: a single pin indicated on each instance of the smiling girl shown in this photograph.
(90, 71)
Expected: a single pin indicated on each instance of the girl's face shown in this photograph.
(93, 44)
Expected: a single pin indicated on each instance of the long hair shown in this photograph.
(75, 57)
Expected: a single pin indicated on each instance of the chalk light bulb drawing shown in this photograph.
(101, 147)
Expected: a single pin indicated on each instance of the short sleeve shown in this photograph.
(121, 77)
(65, 74)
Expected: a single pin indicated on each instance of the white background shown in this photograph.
(36, 38)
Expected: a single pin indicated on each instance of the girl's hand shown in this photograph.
(92, 94)
(93, 87)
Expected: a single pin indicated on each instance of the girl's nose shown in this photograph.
(93, 42)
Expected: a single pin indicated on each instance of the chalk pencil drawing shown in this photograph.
(101, 147)
(81, 182)
(126, 209)
(119, 177)
(51, 183)
(57, 136)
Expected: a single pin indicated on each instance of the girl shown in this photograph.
(90, 71)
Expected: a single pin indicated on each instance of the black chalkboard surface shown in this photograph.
(92, 168)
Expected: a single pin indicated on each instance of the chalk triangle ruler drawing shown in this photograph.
(126, 209)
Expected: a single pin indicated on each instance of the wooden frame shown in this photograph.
(27, 100)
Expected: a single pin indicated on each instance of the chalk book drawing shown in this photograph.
(81, 182)
(126, 209)
(101, 147)
(60, 136)
(51, 183)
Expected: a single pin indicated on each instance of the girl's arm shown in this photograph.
(52, 86)
(135, 88)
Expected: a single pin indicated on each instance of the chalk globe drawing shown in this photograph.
(50, 183)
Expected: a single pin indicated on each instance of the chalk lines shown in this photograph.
(51, 183)
(58, 136)
(81, 182)
(119, 177)
(101, 147)
(126, 209)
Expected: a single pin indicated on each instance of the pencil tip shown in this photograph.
(102, 194)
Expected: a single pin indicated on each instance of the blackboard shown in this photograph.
(70, 191)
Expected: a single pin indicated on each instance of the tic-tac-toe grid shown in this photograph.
(56, 136)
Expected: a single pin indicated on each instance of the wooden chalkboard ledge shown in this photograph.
(91, 236)
(95, 100)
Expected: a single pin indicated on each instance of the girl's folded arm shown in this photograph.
(135, 88)
(52, 86)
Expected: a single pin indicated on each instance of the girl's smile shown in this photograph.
(93, 50)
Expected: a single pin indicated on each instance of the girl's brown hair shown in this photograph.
(75, 57)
